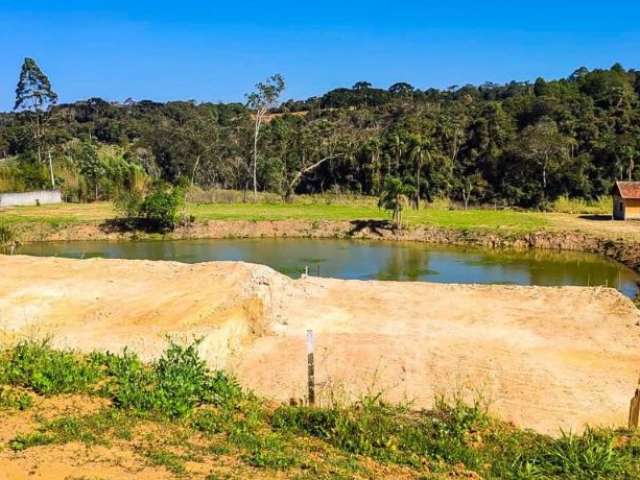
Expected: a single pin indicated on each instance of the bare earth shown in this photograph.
(544, 358)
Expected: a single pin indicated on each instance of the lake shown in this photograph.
(367, 260)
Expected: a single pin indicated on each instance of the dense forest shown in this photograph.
(522, 144)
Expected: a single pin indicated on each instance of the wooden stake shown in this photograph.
(634, 409)
(310, 369)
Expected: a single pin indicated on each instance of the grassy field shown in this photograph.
(177, 419)
(569, 217)
(66, 214)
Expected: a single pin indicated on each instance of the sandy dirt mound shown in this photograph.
(545, 358)
(110, 305)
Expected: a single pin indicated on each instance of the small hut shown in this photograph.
(626, 201)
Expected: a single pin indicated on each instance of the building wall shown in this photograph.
(30, 198)
(618, 207)
(631, 209)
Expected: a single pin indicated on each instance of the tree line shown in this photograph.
(520, 144)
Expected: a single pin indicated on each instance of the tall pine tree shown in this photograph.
(35, 97)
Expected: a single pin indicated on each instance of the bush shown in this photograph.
(174, 385)
(35, 365)
(160, 209)
(128, 203)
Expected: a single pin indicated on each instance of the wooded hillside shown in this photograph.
(522, 144)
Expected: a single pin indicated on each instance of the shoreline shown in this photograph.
(624, 251)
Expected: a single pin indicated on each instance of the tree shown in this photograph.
(419, 148)
(395, 197)
(361, 86)
(402, 89)
(35, 95)
(469, 184)
(91, 166)
(261, 100)
(545, 147)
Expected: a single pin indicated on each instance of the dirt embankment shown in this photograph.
(621, 249)
(545, 358)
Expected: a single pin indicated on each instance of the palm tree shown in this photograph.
(395, 197)
(419, 147)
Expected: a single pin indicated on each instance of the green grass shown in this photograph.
(59, 216)
(188, 414)
(457, 219)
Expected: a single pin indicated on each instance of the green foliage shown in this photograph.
(23, 174)
(160, 209)
(167, 459)
(92, 429)
(181, 396)
(174, 385)
(128, 203)
(35, 365)
(395, 197)
(390, 433)
(90, 165)
(518, 144)
(34, 90)
(269, 450)
(7, 235)
(12, 398)
(22, 442)
(590, 456)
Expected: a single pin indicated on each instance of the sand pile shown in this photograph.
(545, 358)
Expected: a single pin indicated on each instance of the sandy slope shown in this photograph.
(545, 358)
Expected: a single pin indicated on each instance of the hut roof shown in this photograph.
(628, 190)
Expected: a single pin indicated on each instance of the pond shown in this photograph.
(365, 260)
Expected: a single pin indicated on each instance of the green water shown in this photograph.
(366, 260)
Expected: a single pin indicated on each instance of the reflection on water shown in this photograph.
(370, 260)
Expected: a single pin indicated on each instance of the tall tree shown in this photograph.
(265, 97)
(35, 95)
(419, 148)
(90, 165)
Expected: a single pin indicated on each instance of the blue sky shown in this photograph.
(216, 51)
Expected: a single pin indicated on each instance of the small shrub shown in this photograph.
(14, 399)
(130, 383)
(46, 371)
(174, 385)
(182, 380)
(22, 442)
(590, 456)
